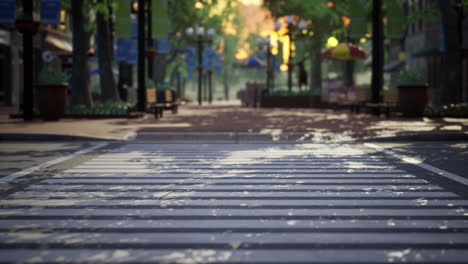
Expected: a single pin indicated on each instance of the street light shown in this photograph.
(269, 72)
(301, 25)
(200, 32)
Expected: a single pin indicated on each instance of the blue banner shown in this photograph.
(190, 57)
(50, 11)
(163, 46)
(7, 11)
(207, 58)
(132, 54)
(275, 64)
(217, 62)
(134, 28)
(123, 50)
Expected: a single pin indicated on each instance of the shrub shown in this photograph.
(106, 108)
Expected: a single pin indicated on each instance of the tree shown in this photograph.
(452, 19)
(81, 93)
(105, 51)
(325, 23)
(214, 14)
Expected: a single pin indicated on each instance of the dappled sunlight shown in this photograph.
(317, 125)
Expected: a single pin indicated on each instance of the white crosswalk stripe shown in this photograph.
(234, 203)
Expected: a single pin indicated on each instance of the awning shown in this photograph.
(393, 66)
(55, 43)
(429, 50)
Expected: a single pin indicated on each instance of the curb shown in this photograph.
(234, 137)
(433, 137)
(246, 137)
(46, 137)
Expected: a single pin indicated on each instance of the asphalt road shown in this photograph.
(234, 203)
(17, 156)
(449, 156)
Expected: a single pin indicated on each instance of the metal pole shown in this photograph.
(269, 70)
(28, 60)
(210, 87)
(141, 57)
(290, 65)
(150, 38)
(377, 51)
(200, 68)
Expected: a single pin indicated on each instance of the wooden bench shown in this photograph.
(158, 101)
(389, 104)
(356, 98)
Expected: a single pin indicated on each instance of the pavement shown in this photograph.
(229, 121)
(334, 198)
(233, 203)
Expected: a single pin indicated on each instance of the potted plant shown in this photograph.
(52, 93)
(412, 92)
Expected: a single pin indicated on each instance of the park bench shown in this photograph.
(388, 105)
(356, 98)
(158, 101)
(251, 95)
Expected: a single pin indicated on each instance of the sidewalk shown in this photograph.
(225, 118)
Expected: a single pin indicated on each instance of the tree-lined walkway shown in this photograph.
(322, 123)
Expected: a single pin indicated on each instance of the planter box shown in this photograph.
(290, 101)
(52, 100)
(412, 99)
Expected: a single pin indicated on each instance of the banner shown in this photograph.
(160, 21)
(396, 21)
(123, 23)
(275, 65)
(217, 64)
(134, 27)
(190, 57)
(50, 11)
(123, 50)
(207, 58)
(132, 55)
(163, 46)
(7, 11)
(359, 19)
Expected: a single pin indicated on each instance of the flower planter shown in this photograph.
(412, 99)
(25, 25)
(52, 100)
(290, 101)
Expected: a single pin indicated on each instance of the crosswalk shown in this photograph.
(234, 203)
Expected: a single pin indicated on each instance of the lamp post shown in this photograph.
(265, 44)
(200, 32)
(290, 22)
(301, 25)
(141, 106)
(277, 26)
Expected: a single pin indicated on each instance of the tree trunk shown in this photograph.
(316, 71)
(105, 48)
(377, 52)
(451, 76)
(81, 93)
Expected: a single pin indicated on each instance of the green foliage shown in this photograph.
(164, 87)
(409, 76)
(49, 75)
(326, 22)
(149, 84)
(453, 110)
(287, 93)
(108, 108)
